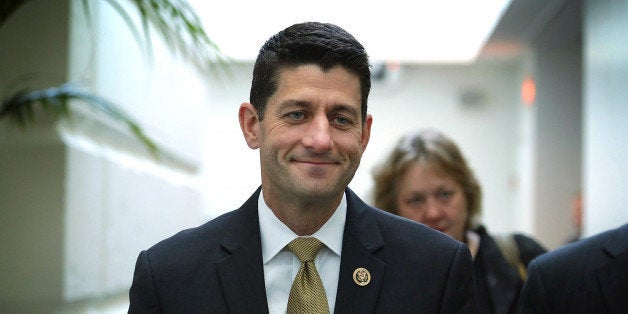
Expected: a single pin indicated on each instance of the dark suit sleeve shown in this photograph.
(533, 296)
(142, 295)
(460, 289)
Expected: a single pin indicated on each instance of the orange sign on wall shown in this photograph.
(528, 91)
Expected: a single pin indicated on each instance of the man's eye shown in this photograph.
(297, 115)
(342, 120)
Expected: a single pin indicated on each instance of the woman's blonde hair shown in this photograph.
(427, 147)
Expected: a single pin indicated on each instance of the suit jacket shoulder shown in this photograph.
(206, 240)
(213, 268)
(587, 276)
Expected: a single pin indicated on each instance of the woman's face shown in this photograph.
(430, 196)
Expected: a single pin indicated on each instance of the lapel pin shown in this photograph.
(361, 276)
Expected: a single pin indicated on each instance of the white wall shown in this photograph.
(606, 115)
(119, 199)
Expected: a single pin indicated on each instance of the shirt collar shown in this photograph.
(276, 235)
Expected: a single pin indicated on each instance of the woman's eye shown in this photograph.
(445, 195)
(414, 201)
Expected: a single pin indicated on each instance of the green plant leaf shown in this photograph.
(176, 22)
(56, 100)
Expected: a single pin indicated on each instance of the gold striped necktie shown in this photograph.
(307, 294)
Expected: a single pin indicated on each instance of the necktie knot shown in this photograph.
(305, 249)
(307, 295)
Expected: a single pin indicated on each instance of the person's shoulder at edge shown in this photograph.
(211, 231)
(185, 245)
(575, 254)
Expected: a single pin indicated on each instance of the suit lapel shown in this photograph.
(241, 273)
(613, 277)
(361, 239)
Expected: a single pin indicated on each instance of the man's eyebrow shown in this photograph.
(294, 103)
(345, 108)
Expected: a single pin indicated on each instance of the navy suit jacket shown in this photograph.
(587, 276)
(217, 267)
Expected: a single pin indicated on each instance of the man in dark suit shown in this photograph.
(308, 117)
(587, 276)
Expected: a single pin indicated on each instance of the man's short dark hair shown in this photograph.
(322, 44)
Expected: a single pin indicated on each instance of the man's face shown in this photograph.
(312, 137)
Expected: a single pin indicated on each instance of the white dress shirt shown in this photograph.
(281, 265)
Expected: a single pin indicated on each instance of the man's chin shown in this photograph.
(320, 191)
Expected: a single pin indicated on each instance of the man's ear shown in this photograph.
(249, 123)
(366, 132)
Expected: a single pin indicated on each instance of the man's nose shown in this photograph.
(318, 136)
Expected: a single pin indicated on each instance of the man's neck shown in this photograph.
(303, 217)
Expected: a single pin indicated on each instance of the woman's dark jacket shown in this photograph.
(498, 283)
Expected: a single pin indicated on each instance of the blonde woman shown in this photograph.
(426, 179)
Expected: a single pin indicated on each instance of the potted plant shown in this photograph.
(174, 21)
